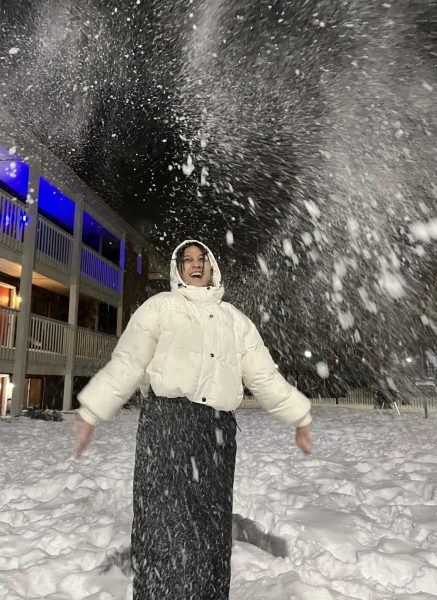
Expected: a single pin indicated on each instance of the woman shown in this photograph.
(195, 351)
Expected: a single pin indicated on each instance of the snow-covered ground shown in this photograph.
(359, 516)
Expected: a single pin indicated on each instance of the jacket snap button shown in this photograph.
(203, 399)
(211, 316)
(212, 355)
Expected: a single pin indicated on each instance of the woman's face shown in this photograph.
(195, 268)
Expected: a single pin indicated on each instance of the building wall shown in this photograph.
(49, 304)
(135, 284)
(107, 318)
(87, 314)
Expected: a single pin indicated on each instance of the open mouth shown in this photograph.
(197, 275)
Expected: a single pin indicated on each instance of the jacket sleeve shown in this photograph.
(110, 387)
(269, 387)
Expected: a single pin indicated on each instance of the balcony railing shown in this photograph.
(12, 222)
(54, 245)
(97, 268)
(94, 346)
(8, 322)
(48, 340)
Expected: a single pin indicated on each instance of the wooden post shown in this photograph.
(73, 304)
(23, 317)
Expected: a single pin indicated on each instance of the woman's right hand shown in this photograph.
(84, 431)
(303, 439)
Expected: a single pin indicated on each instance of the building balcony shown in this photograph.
(49, 342)
(54, 251)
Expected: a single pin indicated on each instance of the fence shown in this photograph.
(417, 402)
(249, 402)
(362, 398)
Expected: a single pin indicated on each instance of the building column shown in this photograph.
(122, 265)
(27, 264)
(119, 330)
(73, 304)
(4, 400)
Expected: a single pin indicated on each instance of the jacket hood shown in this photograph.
(175, 277)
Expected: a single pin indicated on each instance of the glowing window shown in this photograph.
(139, 263)
(54, 205)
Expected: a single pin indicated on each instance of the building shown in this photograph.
(71, 273)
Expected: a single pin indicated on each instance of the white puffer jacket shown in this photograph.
(189, 343)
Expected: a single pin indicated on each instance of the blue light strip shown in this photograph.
(122, 254)
(14, 172)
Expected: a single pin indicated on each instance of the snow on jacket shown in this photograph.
(189, 343)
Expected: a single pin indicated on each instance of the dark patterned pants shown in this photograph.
(182, 527)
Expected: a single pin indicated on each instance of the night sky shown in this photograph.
(265, 128)
(110, 87)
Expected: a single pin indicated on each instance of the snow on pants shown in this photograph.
(183, 481)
